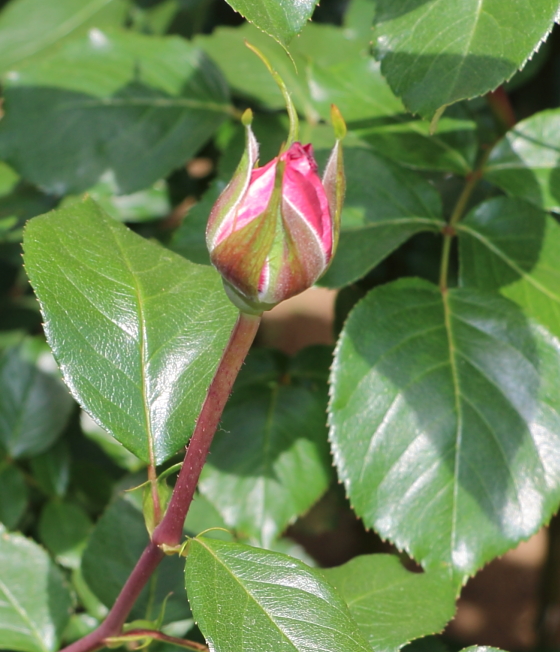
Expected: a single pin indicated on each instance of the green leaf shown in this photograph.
(384, 206)
(247, 75)
(64, 529)
(510, 245)
(8, 179)
(51, 469)
(137, 330)
(271, 463)
(13, 495)
(246, 599)
(281, 19)
(114, 547)
(28, 28)
(142, 206)
(445, 422)
(134, 105)
(391, 605)
(34, 404)
(204, 516)
(407, 140)
(34, 597)
(526, 162)
(435, 53)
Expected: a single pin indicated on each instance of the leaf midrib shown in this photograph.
(252, 597)
(24, 616)
(459, 430)
(498, 252)
(143, 344)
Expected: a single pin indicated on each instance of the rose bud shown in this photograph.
(274, 229)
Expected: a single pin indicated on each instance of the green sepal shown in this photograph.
(164, 492)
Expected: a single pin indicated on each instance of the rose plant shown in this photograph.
(167, 482)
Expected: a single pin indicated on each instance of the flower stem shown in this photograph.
(147, 634)
(449, 230)
(169, 532)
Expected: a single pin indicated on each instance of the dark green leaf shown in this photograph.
(118, 540)
(246, 599)
(13, 495)
(30, 27)
(272, 462)
(34, 597)
(435, 53)
(391, 605)
(51, 470)
(512, 246)
(526, 162)
(384, 206)
(134, 105)
(281, 19)
(445, 422)
(407, 140)
(34, 404)
(64, 529)
(137, 330)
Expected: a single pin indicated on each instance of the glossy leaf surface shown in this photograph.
(271, 463)
(384, 206)
(247, 599)
(282, 19)
(391, 605)
(445, 406)
(436, 52)
(149, 326)
(34, 598)
(117, 103)
(114, 547)
(526, 162)
(28, 28)
(510, 245)
(34, 404)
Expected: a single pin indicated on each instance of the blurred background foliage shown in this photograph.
(99, 98)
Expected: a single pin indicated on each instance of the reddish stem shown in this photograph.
(501, 106)
(170, 531)
(134, 634)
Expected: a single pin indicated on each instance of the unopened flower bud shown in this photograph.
(274, 229)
